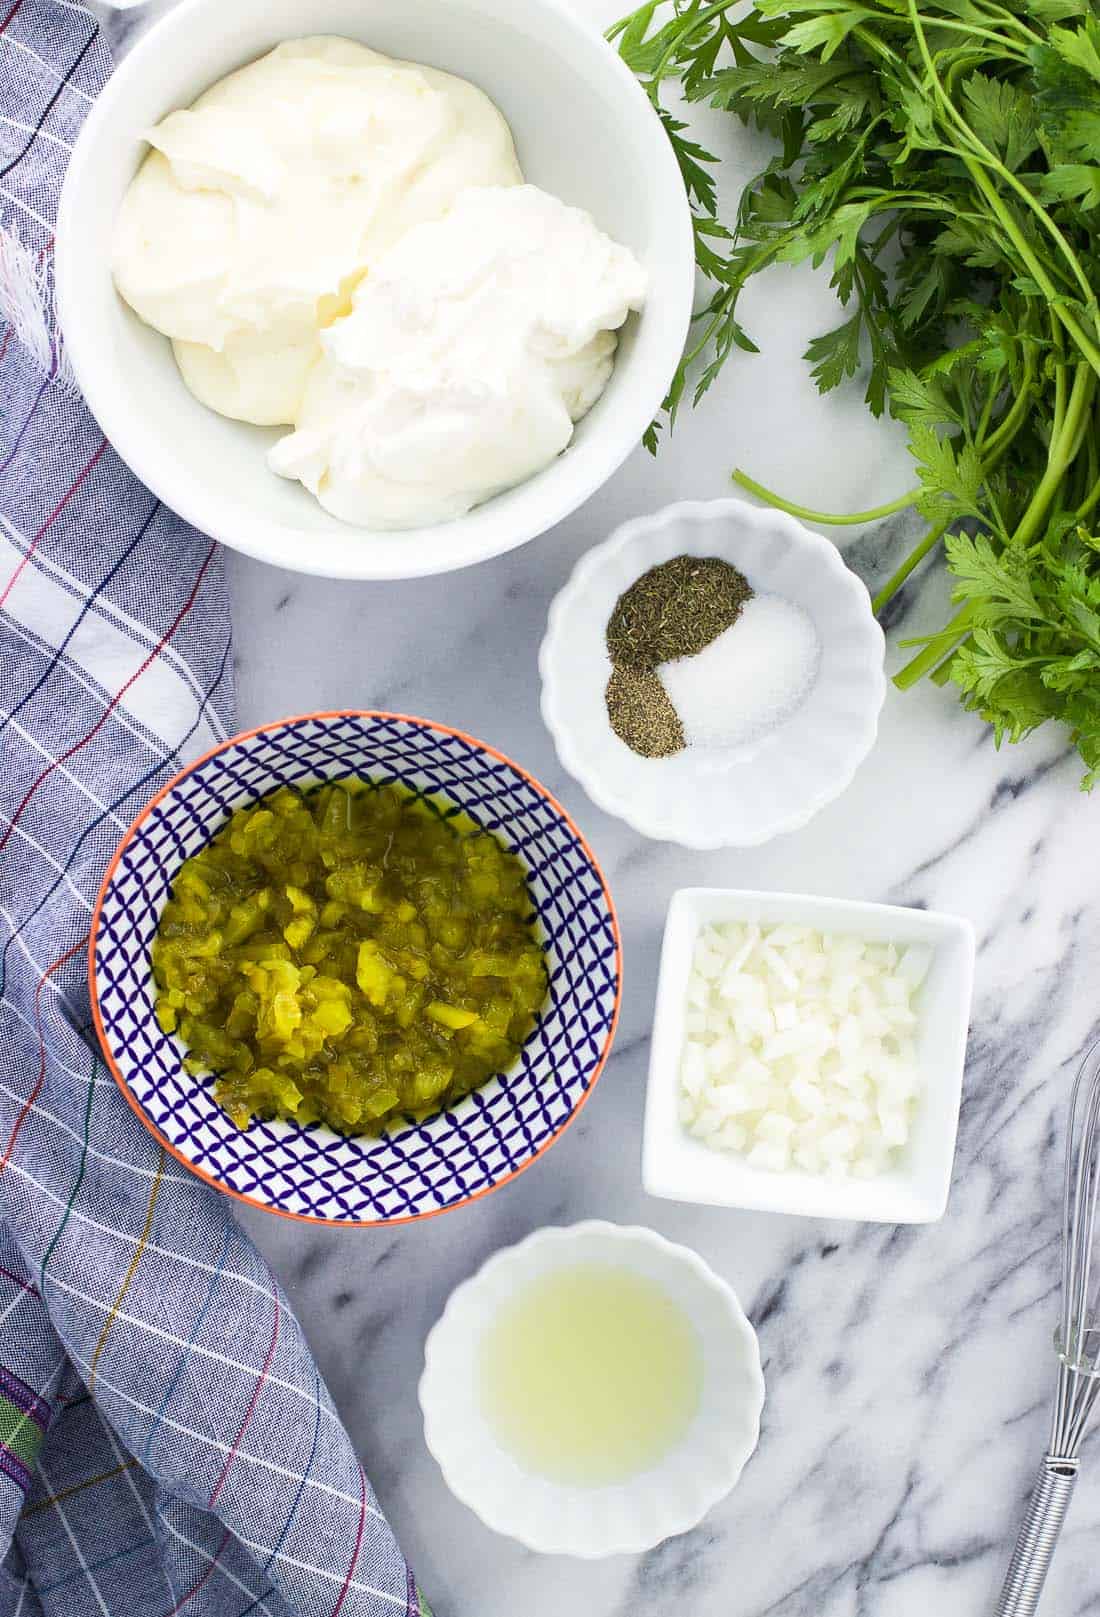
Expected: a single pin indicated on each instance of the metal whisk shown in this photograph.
(1077, 1342)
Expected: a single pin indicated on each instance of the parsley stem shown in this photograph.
(992, 448)
(938, 647)
(973, 163)
(910, 564)
(942, 674)
(1063, 451)
(830, 518)
(1009, 47)
(721, 307)
(1052, 230)
(1046, 285)
(982, 429)
(1089, 502)
(1059, 399)
(1003, 434)
(1009, 20)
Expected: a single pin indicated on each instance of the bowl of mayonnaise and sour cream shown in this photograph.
(373, 291)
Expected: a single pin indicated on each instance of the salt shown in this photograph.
(751, 678)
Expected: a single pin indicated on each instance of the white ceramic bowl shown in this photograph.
(583, 129)
(915, 1190)
(747, 795)
(631, 1516)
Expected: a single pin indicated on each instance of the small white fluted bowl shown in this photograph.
(621, 1518)
(743, 796)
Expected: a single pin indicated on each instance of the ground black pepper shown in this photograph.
(675, 610)
(642, 715)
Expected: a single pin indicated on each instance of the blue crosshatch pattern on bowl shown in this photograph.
(429, 1166)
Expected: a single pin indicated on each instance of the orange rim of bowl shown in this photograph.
(280, 724)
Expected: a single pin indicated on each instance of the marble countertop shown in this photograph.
(909, 1370)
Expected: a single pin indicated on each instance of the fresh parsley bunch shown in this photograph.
(945, 155)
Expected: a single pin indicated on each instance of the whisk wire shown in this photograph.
(1080, 1211)
(1077, 1341)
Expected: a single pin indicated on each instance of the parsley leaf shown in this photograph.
(1068, 182)
(835, 355)
(1002, 116)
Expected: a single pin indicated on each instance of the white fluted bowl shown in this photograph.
(621, 1518)
(743, 796)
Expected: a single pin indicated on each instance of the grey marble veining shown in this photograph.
(908, 1370)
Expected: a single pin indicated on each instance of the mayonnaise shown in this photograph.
(258, 210)
(471, 349)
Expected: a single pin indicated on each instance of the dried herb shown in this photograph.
(642, 715)
(675, 610)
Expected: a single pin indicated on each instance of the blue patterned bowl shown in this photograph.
(307, 1171)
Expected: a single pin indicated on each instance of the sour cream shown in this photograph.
(259, 209)
(471, 349)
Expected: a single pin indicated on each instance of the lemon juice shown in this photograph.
(590, 1374)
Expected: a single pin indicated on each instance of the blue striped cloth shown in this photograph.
(166, 1443)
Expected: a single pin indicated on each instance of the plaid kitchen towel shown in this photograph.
(166, 1443)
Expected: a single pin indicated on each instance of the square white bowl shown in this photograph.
(914, 1191)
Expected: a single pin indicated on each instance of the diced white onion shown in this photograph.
(800, 1048)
